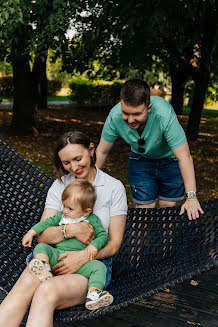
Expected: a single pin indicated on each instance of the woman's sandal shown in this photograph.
(38, 268)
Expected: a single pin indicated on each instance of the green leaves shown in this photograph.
(34, 25)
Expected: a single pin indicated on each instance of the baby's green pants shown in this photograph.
(95, 270)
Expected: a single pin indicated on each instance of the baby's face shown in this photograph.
(72, 210)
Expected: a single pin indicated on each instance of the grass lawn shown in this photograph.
(56, 120)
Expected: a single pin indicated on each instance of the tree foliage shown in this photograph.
(168, 34)
(27, 30)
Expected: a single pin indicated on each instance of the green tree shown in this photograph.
(27, 30)
(177, 37)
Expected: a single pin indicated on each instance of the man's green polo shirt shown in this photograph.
(162, 131)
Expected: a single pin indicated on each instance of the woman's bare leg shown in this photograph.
(57, 293)
(16, 303)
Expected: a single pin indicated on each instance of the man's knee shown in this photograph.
(165, 204)
(147, 205)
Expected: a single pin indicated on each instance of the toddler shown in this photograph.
(78, 201)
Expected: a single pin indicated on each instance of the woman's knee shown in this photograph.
(46, 292)
(28, 280)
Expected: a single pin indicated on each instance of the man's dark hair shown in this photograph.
(135, 92)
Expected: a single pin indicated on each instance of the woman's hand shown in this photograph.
(84, 232)
(73, 260)
(192, 206)
(28, 238)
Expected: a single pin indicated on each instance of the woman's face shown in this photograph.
(76, 159)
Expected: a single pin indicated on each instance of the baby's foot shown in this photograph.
(40, 269)
(97, 299)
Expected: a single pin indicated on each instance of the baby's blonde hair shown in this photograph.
(82, 192)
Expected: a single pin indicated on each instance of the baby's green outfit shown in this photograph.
(95, 270)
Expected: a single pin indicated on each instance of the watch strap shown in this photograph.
(63, 231)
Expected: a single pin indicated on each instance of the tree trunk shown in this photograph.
(178, 79)
(201, 83)
(40, 82)
(23, 108)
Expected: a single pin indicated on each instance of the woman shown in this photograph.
(74, 158)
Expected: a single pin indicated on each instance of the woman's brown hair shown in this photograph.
(72, 137)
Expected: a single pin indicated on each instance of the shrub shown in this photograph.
(94, 93)
(211, 96)
(6, 86)
(53, 87)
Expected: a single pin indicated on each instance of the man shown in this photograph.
(160, 164)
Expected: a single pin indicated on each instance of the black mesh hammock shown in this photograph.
(160, 248)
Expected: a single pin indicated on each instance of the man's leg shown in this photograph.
(148, 205)
(170, 184)
(164, 204)
(143, 181)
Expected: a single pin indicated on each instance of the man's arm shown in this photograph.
(102, 152)
(53, 235)
(192, 206)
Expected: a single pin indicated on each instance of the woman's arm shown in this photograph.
(53, 235)
(116, 231)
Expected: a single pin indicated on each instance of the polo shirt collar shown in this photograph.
(99, 178)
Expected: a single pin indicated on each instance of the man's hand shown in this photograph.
(28, 238)
(73, 260)
(84, 232)
(192, 206)
(92, 252)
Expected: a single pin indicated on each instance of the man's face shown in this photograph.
(135, 117)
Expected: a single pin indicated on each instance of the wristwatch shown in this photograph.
(191, 195)
(63, 231)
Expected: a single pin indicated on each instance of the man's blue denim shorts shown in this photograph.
(106, 261)
(153, 179)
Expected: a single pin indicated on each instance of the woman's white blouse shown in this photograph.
(111, 196)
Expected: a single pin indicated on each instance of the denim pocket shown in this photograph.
(134, 156)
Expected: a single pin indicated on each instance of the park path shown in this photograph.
(52, 103)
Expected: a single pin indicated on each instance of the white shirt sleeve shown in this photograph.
(118, 200)
(53, 199)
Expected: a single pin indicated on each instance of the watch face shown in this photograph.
(191, 195)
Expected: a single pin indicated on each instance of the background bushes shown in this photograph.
(53, 87)
(6, 87)
(95, 93)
